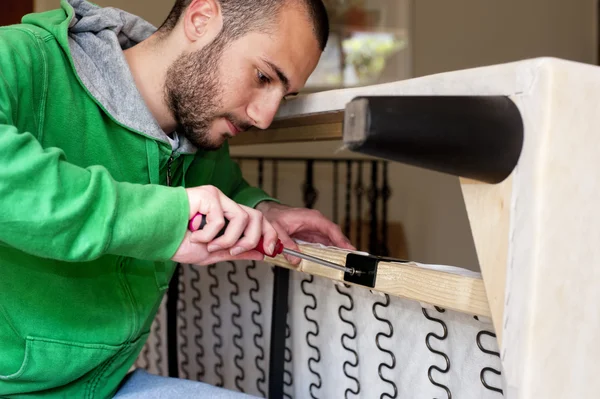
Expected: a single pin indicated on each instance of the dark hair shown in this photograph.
(242, 16)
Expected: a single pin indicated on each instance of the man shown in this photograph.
(112, 137)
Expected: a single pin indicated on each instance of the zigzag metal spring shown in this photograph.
(145, 359)
(309, 280)
(158, 345)
(261, 356)
(182, 331)
(345, 335)
(238, 335)
(197, 318)
(288, 379)
(310, 198)
(337, 287)
(488, 369)
(214, 311)
(393, 365)
(259, 334)
(443, 337)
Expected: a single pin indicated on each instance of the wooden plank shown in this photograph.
(488, 209)
(466, 180)
(309, 119)
(407, 280)
(314, 127)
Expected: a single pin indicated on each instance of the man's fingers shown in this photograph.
(198, 255)
(214, 223)
(238, 219)
(270, 236)
(331, 230)
(252, 233)
(284, 236)
(211, 207)
(338, 238)
(287, 242)
(314, 238)
(224, 255)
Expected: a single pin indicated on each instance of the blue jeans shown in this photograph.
(141, 384)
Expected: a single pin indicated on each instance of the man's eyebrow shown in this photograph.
(284, 79)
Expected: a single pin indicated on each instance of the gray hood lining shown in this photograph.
(97, 38)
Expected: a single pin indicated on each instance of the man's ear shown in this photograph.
(202, 21)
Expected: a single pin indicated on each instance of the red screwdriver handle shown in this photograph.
(259, 247)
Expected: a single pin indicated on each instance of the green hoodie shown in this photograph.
(87, 221)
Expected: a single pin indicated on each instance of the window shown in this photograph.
(368, 44)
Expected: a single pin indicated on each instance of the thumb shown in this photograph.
(287, 243)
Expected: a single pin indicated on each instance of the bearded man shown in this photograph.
(113, 135)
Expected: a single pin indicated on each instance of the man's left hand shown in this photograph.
(303, 224)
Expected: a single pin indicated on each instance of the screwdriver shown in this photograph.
(279, 248)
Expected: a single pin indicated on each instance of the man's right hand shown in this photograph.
(246, 227)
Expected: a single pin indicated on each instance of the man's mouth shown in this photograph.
(233, 128)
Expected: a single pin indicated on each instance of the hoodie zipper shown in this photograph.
(169, 170)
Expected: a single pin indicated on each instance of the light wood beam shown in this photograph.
(314, 127)
(407, 280)
(488, 209)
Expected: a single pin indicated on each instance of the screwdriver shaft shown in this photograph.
(320, 261)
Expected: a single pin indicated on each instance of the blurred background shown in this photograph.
(421, 213)
(386, 40)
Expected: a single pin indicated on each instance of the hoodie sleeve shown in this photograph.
(54, 209)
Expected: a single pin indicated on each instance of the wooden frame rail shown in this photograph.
(305, 128)
(408, 280)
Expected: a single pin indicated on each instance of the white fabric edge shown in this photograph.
(441, 268)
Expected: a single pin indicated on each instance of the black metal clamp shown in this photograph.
(365, 268)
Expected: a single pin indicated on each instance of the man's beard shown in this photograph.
(194, 96)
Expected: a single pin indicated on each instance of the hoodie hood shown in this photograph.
(96, 38)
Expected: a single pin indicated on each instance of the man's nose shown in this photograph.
(263, 109)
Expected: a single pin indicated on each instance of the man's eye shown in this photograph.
(262, 78)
